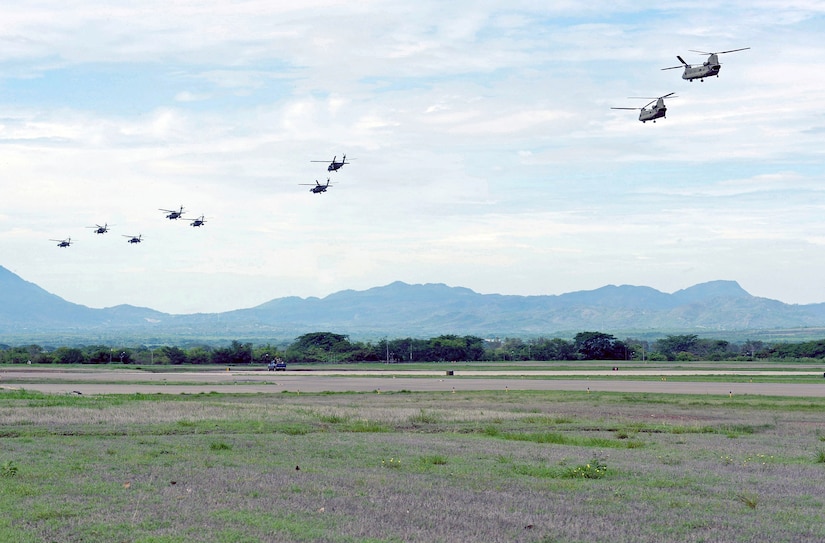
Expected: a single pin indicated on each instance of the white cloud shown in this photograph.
(483, 150)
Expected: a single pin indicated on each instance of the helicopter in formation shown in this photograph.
(63, 242)
(334, 166)
(103, 229)
(708, 68)
(172, 214)
(200, 221)
(100, 229)
(317, 188)
(651, 114)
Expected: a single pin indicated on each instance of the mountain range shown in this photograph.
(715, 309)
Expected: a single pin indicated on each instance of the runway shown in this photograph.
(61, 381)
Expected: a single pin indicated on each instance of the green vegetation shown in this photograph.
(415, 467)
(331, 348)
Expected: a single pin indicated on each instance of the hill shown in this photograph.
(715, 308)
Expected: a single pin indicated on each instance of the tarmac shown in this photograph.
(83, 381)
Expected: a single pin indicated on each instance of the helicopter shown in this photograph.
(318, 188)
(134, 239)
(200, 221)
(706, 69)
(63, 242)
(334, 166)
(653, 113)
(100, 229)
(173, 215)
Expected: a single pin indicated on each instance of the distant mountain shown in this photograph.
(25, 306)
(400, 310)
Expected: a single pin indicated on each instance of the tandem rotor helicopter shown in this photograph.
(708, 68)
(317, 188)
(651, 114)
(334, 166)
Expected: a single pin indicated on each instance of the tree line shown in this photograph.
(327, 347)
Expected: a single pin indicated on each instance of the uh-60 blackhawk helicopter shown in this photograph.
(335, 165)
(200, 221)
(173, 215)
(63, 242)
(708, 68)
(317, 188)
(651, 114)
(100, 229)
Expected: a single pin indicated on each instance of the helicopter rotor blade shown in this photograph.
(653, 97)
(684, 64)
(733, 50)
(719, 52)
(629, 108)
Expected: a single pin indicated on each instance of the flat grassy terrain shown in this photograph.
(508, 466)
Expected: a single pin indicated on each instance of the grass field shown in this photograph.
(515, 466)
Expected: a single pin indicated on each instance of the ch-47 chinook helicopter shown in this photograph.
(63, 242)
(171, 214)
(653, 113)
(334, 166)
(706, 69)
(134, 239)
(100, 229)
(317, 188)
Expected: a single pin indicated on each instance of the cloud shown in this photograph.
(475, 130)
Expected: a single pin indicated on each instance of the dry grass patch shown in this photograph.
(497, 467)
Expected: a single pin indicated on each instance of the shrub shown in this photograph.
(751, 500)
(596, 469)
(8, 469)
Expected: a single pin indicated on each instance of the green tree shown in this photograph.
(320, 347)
(235, 354)
(199, 355)
(69, 355)
(175, 355)
(673, 345)
(553, 349)
(599, 346)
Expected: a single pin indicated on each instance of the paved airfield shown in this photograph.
(246, 381)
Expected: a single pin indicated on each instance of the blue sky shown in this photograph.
(484, 150)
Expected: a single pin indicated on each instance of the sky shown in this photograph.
(483, 149)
